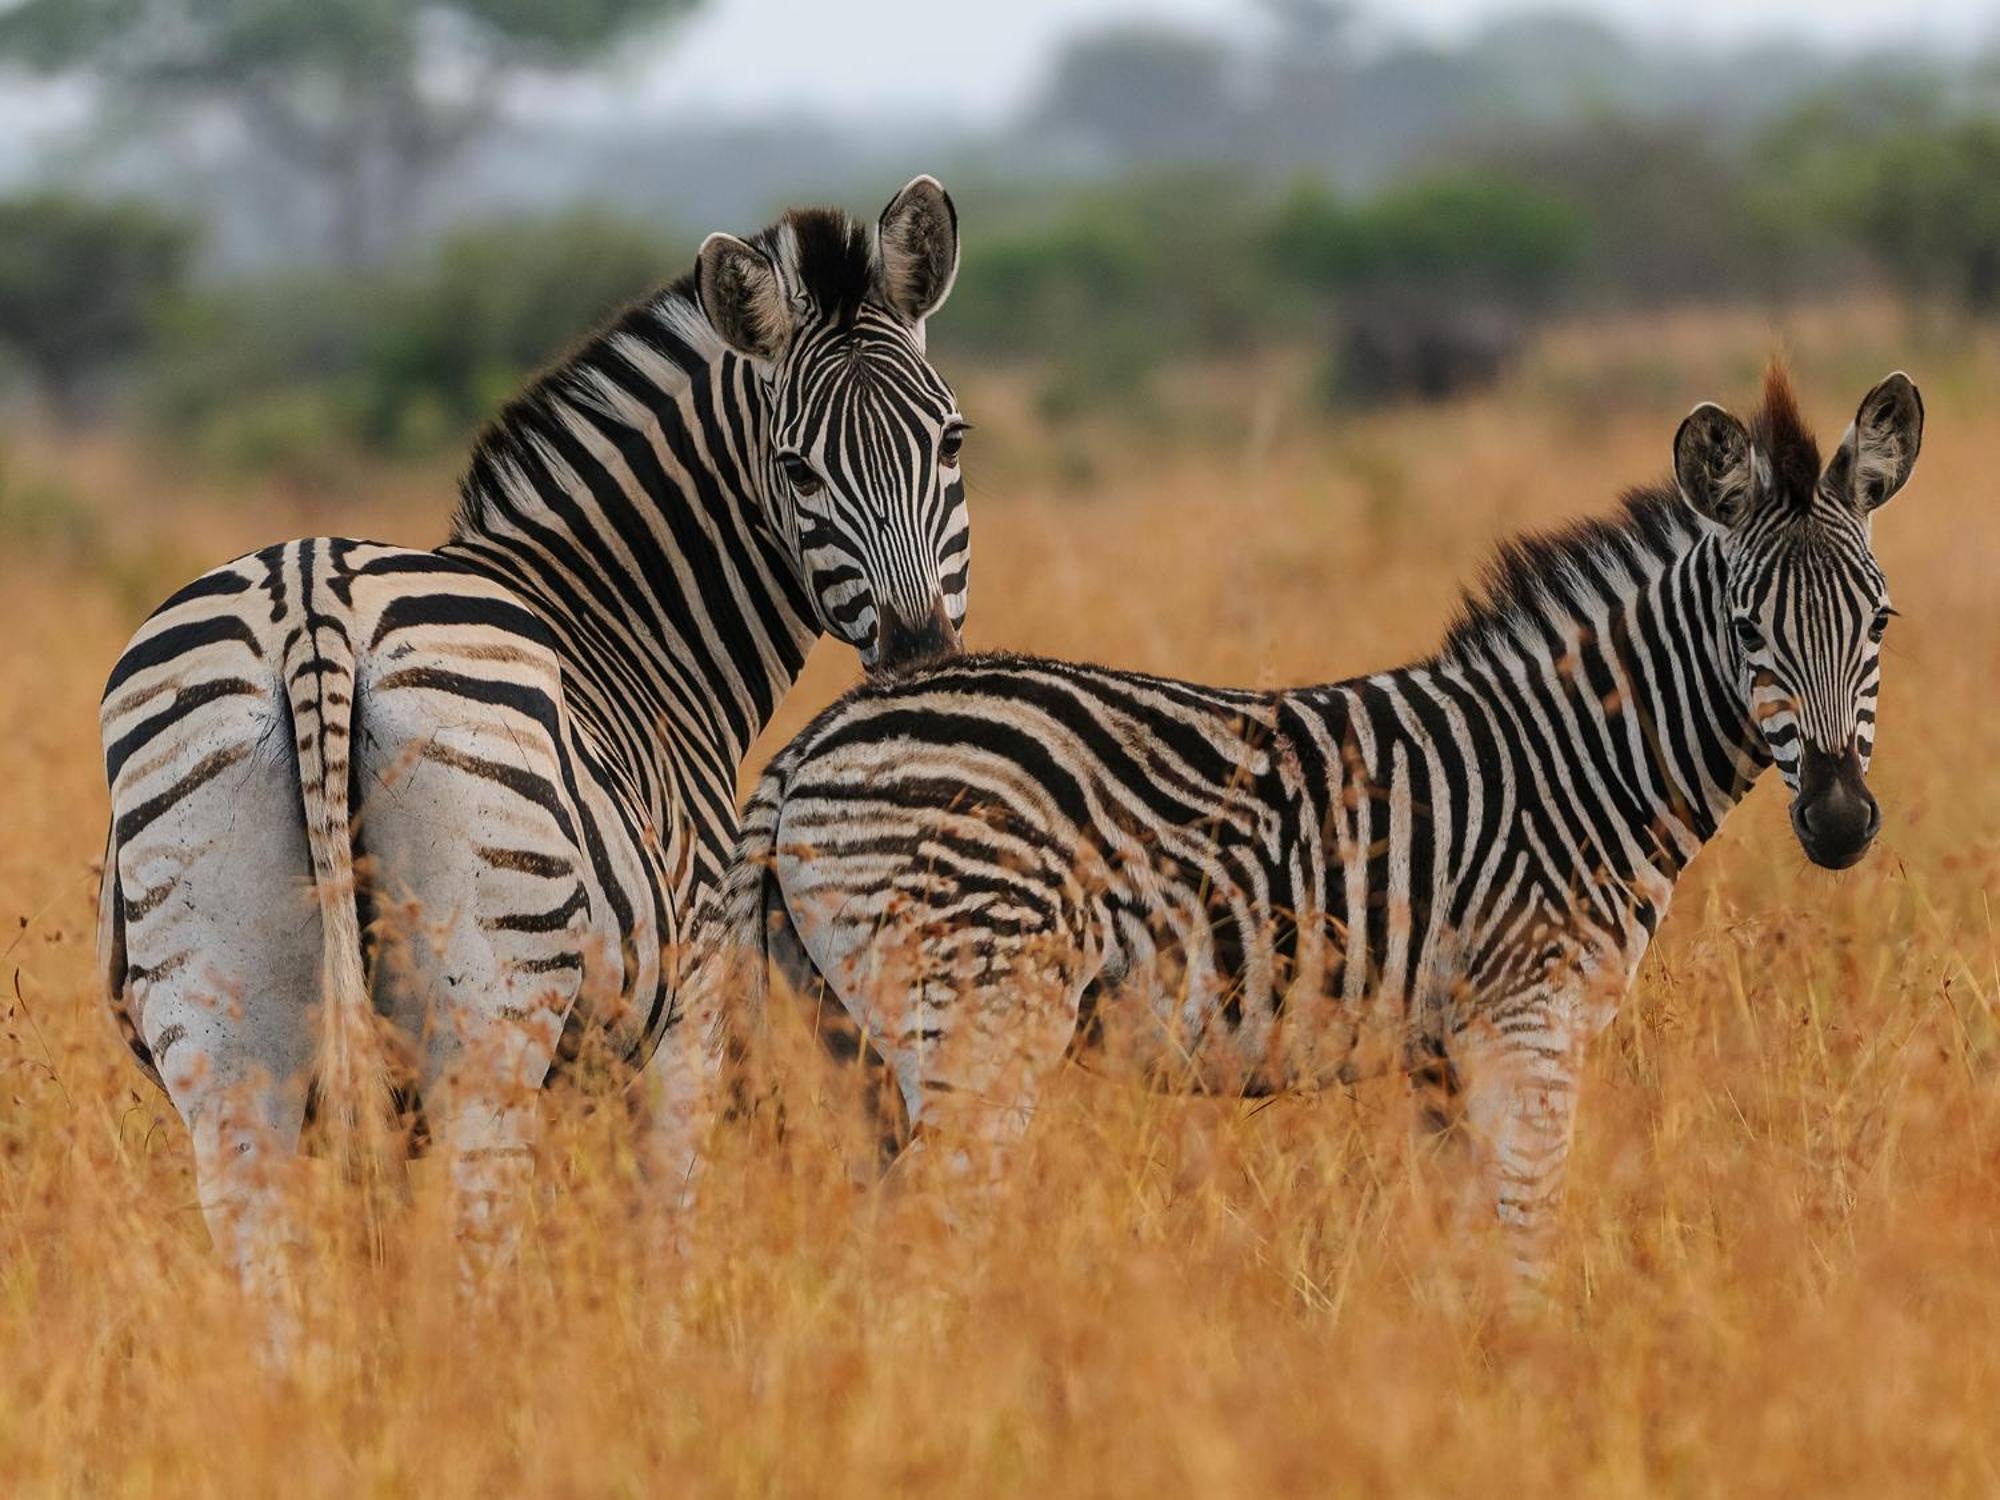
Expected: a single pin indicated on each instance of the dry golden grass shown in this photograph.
(1779, 1269)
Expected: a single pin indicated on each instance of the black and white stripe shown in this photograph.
(526, 741)
(1451, 868)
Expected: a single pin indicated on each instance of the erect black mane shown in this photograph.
(837, 261)
(1537, 579)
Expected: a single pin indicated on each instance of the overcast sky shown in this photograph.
(972, 62)
(976, 59)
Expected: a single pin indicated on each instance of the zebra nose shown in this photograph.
(901, 643)
(1835, 815)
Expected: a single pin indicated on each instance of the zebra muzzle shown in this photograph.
(902, 643)
(1834, 815)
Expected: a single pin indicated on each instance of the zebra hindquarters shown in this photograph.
(955, 948)
(481, 921)
(212, 923)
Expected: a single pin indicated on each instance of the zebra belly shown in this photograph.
(1183, 1003)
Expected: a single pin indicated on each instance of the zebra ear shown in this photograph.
(742, 297)
(1715, 464)
(1878, 451)
(918, 235)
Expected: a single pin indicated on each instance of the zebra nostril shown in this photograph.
(901, 643)
(1837, 825)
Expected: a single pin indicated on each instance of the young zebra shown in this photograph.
(1451, 868)
(526, 741)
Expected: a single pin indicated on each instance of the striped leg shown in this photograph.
(487, 1118)
(247, 1165)
(1518, 1082)
(681, 1097)
(221, 984)
(484, 931)
(971, 1031)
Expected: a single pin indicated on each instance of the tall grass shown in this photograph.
(1779, 1267)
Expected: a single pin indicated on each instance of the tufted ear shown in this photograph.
(918, 235)
(742, 297)
(1715, 464)
(1877, 453)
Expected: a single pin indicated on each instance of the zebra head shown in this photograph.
(861, 468)
(1807, 605)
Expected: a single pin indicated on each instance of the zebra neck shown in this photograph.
(1651, 700)
(1601, 652)
(622, 496)
(1704, 752)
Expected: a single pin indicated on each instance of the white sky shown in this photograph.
(975, 60)
(972, 62)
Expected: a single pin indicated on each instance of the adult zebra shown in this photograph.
(1453, 867)
(526, 740)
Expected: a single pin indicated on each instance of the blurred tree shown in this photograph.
(298, 370)
(1927, 204)
(1434, 281)
(499, 301)
(368, 98)
(1661, 203)
(1312, 30)
(1145, 93)
(1467, 232)
(1108, 284)
(79, 281)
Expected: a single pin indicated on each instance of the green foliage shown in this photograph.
(1107, 286)
(1465, 230)
(1110, 286)
(1176, 253)
(283, 372)
(458, 339)
(79, 281)
(1664, 208)
(1927, 204)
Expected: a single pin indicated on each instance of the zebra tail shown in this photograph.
(743, 927)
(746, 929)
(351, 1084)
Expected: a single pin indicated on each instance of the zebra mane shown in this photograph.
(1781, 435)
(656, 346)
(1546, 579)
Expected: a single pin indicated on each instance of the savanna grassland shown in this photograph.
(1779, 1268)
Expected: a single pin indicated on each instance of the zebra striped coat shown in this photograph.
(526, 741)
(1452, 868)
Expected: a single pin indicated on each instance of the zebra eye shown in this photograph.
(1881, 625)
(800, 475)
(1748, 636)
(950, 444)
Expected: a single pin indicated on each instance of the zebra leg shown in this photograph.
(219, 939)
(488, 1129)
(491, 1029)
(682, 1094)
(1517, 1084)
(246, 1164)
(483, 933)
(971, 1041)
